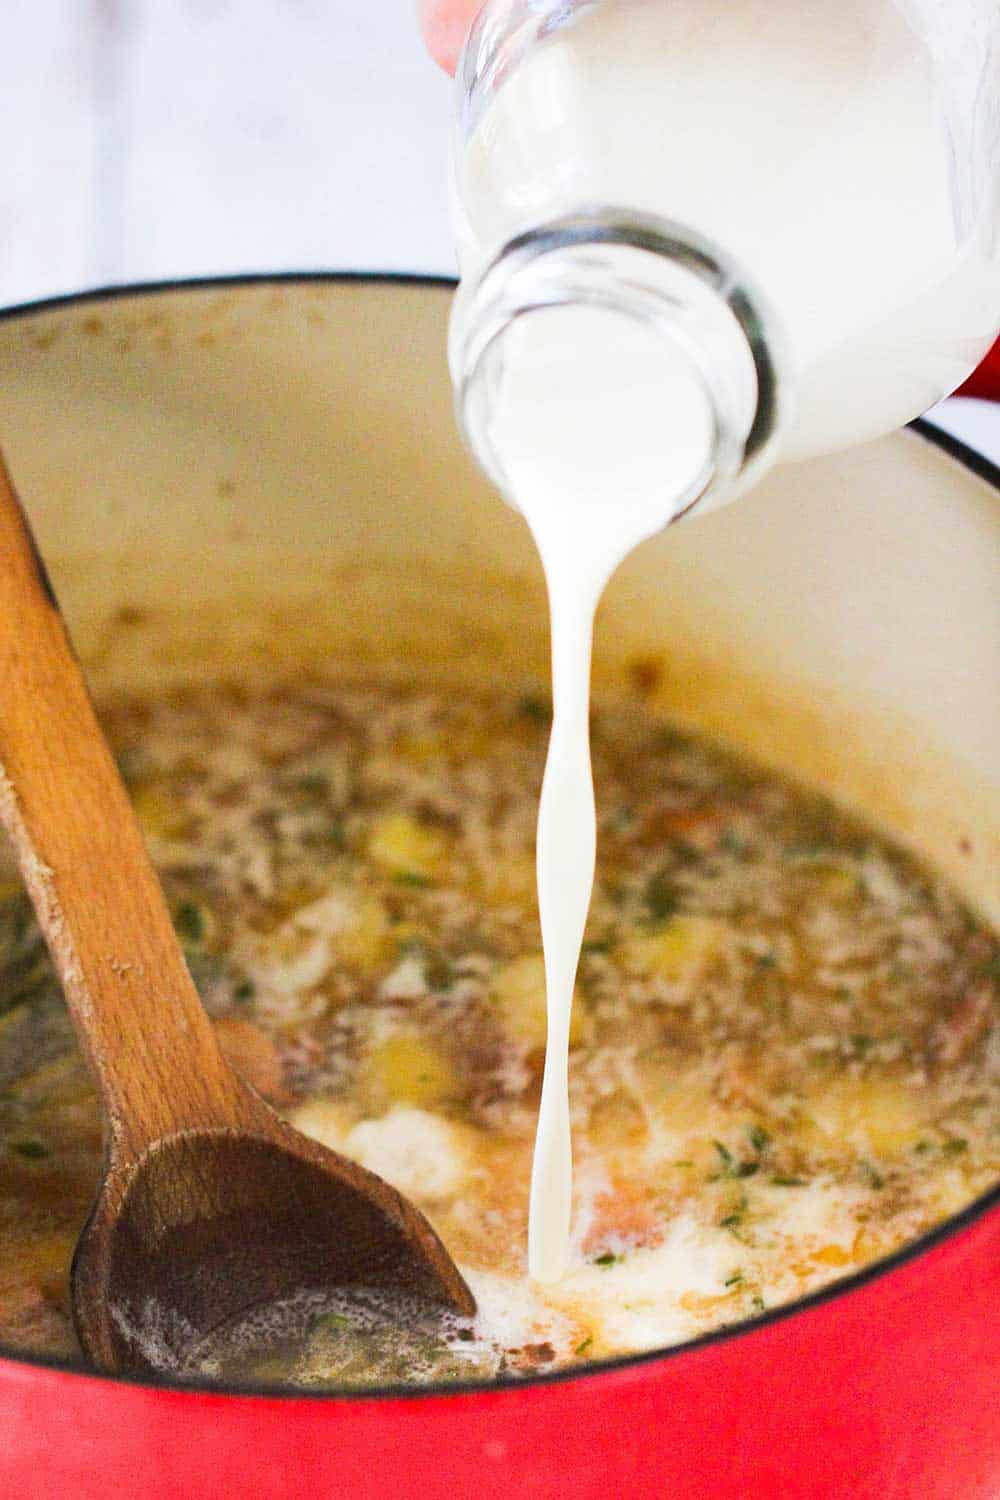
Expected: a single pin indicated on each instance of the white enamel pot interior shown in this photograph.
(264, 477)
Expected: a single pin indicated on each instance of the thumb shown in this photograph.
(444, 25)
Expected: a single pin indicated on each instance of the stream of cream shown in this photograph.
(595, 465)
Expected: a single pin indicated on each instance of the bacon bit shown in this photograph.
(130, 615)
(701, 827)
(954, 1038)
(253, 1056)
(645, 674)
(623, 1215)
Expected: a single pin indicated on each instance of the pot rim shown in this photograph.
(970, 459)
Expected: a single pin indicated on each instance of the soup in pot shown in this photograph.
(785, 1054)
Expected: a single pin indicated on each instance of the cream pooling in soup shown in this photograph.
(596, 467)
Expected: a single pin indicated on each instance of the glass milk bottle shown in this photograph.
(697, 236)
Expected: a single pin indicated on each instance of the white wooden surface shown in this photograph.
(150, 139)
(146, 139)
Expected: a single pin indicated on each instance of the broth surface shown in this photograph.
(785, 1048)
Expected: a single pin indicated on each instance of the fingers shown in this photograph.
(445, 25)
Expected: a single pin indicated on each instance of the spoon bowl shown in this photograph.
(208, 1226)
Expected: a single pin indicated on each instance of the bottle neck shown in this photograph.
(650, 279)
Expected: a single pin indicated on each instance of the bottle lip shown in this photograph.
(665, 273)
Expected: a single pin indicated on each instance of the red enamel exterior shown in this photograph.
(886, 1390)
(986, 380)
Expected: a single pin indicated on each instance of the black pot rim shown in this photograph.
(988, 1203)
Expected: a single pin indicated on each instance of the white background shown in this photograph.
(145, 139)
(151, 139)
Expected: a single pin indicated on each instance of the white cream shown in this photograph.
(420, 1153)
(820, 148)
(597, 465)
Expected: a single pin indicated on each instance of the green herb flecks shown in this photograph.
(662, 897)
(732, 843)
(312, 785)
(190, 922)
(991, 968)
(536, 708)
(24, 965)
(330, 1323)
(30, 1148)
(733, 1220)
(733, 1166)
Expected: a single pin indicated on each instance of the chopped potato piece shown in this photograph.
(345, 927)
(833, 1255)
(616, 1121)
(680, 949)
(878, 1115)
(323, 1120)
(294, 962)
(519, 990)
(688, 1119)
(406, 1070)
(363, 940)
(406, 848)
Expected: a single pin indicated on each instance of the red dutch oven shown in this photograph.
(986, 380)
(251, 476)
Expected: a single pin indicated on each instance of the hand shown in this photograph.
(445, 25)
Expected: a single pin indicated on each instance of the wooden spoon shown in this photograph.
(211, 1206)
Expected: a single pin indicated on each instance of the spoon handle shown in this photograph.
(148, 1041)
